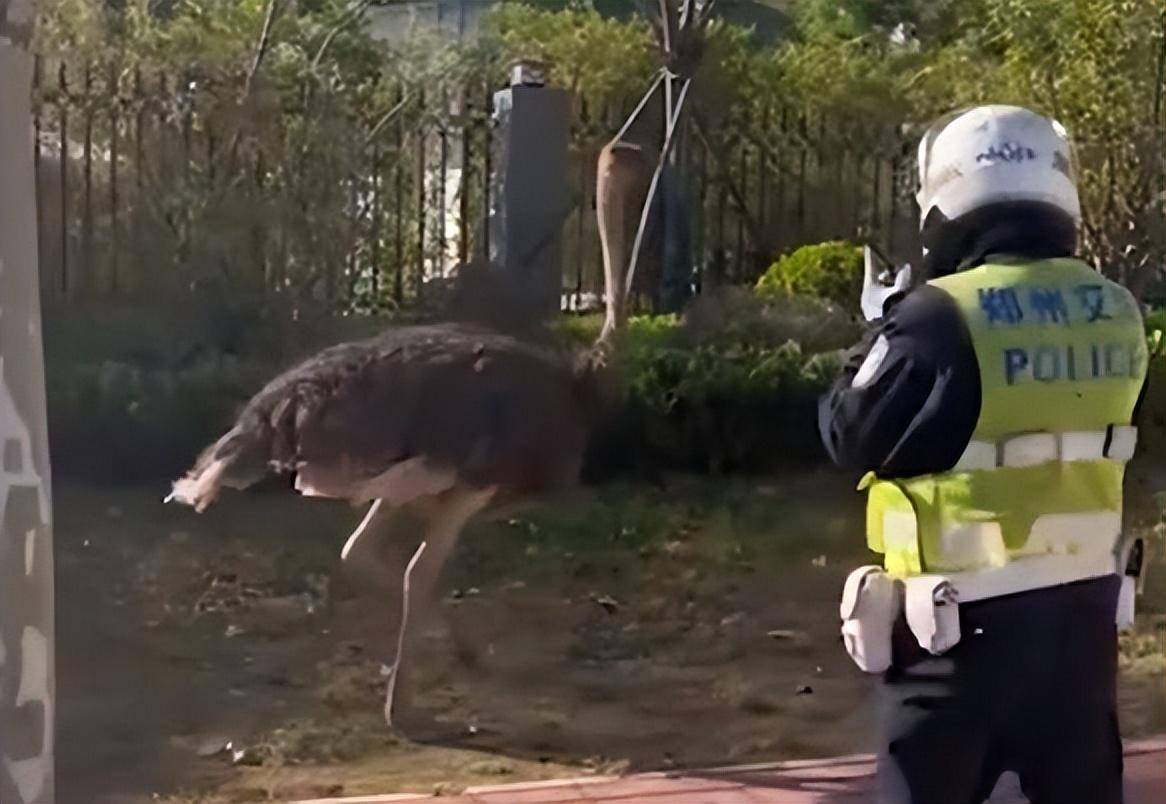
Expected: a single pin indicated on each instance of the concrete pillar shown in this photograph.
(530, 195)
(26, 558)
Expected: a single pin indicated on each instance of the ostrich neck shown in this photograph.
(620, 189)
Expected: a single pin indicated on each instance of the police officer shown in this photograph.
(991, 408)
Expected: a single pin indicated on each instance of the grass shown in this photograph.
(728, 521)
(1142, 652)
(637, 619)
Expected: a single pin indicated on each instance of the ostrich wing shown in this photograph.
(357, 421)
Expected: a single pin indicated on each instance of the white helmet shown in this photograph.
(995, 154)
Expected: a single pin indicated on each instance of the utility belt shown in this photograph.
(872, 601)
(1116, 443)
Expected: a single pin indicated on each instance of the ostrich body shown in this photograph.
(445, 419)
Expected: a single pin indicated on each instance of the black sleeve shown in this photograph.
(915, 409)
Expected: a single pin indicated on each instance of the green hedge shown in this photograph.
(828, 271)
(731, 387)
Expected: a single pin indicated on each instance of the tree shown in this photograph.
(26, 561)
(1096, 66)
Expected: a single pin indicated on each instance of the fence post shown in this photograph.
(136, 222)
(114, 121)
(533, 124)
(676, 278)
(63, 157)
(36, 140)
(87, 212)
(399, 204)
(467, 134)
(26, 558)
(741, 211)
(442, 179)
(375, 230)
(422, 206)
(487, 171)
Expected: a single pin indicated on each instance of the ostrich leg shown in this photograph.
(401, 629)
(362, 528)
(446, 515)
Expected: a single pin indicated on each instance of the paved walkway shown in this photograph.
(842, 779)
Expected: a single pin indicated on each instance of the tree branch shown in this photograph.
(386, 119)
(739, 201)
(273, 9)
(261, 47)
(355, 13)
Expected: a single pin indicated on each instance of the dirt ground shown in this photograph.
(230, 656)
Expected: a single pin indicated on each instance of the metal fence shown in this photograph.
(155, 180)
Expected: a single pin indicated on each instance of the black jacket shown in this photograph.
(916, 405)
(914, 409)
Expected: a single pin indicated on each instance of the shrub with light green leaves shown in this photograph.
(829, 271)
(731, 386)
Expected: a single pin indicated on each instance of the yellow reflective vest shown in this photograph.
(1062, 357)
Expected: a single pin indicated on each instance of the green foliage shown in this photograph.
(296, 120)
(1155, 324)
(599, 59)
(292, 137)
(828, 271)
(134, 392)
(665, 377)
(258, 150)
(726, 406)
(1093, 65)
(720, 388)
(739, 315)
(849, 19)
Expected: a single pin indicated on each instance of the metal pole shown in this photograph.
(87, 214)
(652, 186)
(63, 159)
(114, 124)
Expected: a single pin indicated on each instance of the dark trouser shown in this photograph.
(1031, 688)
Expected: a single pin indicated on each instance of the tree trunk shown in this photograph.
(26, 560)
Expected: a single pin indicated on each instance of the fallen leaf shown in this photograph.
(782, 633)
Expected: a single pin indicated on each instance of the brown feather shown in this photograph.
(492, 408)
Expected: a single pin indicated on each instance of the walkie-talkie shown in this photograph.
(880, 281)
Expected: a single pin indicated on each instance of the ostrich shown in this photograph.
(451, 418)
(441, 419)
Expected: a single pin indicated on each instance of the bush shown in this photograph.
(135, 394)
(731, 386)
(726, 407)
(125, 423)
(735, 315)
(831, 272)
(1155, 321)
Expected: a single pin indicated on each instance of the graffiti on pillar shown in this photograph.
(25, 690)
(26, 561)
